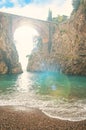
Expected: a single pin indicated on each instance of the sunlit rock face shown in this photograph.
(8, 55)
(68, 52)
(41, 60)
(70, 43)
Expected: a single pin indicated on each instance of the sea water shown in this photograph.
(57, 95)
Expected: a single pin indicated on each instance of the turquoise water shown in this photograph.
(60, 85)
(55, 94)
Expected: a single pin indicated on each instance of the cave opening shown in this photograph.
(23, 38)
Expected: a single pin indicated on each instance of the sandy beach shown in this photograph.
(22, 118)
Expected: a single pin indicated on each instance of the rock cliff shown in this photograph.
(68, 52)
(9, 62)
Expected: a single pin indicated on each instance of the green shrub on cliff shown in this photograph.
(76, 4)
(60, 18)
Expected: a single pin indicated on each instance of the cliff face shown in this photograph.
(8, 55)
(68, 53)
(69, 43)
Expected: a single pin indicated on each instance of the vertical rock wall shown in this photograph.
(9, 61)
(69, 44)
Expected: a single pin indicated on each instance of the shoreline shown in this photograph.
(64, 119)
(27, 118)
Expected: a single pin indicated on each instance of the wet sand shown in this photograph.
(23, 118)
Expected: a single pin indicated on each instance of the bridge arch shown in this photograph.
(40, 26)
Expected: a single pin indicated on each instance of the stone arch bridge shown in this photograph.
(11, 22)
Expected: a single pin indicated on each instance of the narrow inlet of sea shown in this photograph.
(57, 95)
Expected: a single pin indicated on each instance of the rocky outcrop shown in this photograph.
(68, 52)
(9, 62)
(71, 44)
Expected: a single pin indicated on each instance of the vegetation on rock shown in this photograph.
(60, 19)
(76, 4)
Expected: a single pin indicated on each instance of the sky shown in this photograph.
(37, 8)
